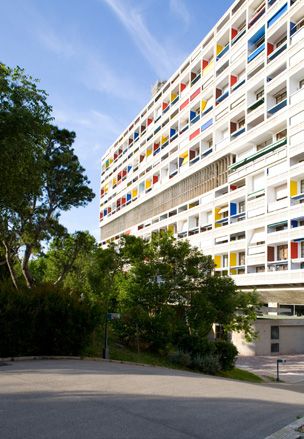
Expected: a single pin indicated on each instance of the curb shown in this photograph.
(57, 357)
(290, 431)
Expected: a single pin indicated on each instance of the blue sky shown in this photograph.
(98, 60)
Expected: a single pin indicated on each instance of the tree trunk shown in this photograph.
(25, 266)
(9, 264)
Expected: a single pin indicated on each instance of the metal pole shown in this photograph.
(278, 378)
(105, 351)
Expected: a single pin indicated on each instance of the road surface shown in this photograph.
(73, 399)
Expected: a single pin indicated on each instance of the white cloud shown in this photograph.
(155, 52)
(56, 44)
(179, 9)
(89, 70)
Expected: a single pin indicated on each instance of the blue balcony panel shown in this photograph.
(277, 107)
(277, 15)
(222, 97)
(256, 52)
(207, 125)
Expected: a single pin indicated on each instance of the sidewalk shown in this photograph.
(290, 372)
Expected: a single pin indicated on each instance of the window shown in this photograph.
(259, 94)
(281, 192)
(241, 123)
(281, 135)
(302, 249)
(282, 252)
(301, 82)
(242, 258)
(264, 144)
(241, 206)
(275, 332)
(301, 186)
(281, 41)
(275, 348)
(225, 260)
(299, 310)
(260, 269)
(280, 96)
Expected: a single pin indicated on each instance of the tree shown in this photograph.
(66, 260)
(169, 294)
(47, 177)
(24, 117)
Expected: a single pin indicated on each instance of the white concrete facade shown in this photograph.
(217, 156)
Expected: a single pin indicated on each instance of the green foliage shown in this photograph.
(45, 320)
(208, 363)
(227, 354)
(40, 175)
(168, 294)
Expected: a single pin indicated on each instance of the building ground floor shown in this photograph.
(280, 326)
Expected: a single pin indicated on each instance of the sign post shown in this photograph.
(279, 360)
(109, 317)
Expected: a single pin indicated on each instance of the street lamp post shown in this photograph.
(109, 317)
(279, 361)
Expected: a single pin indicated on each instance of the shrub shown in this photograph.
(227, 354)
(208, 363)
(44, 320)
(180, 358)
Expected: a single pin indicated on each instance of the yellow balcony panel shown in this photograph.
(217, 261)
(293, 188)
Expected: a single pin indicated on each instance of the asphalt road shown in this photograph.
(73, 399)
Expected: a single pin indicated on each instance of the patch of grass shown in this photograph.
(122, 353)
(241, 375)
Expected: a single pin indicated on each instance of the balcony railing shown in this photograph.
(277, 52)
(238, 36)
(237, 133)
(256, 104)
(222, 97)
(222, 53)
(258, 154)
(256, 52)
(277, 107)
(257, 16)
(238, 85)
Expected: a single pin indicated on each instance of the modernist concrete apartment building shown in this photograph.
(217, 157)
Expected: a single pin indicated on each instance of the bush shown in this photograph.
(44, 320)
(180, 358)
(227, 354)
(208, 363)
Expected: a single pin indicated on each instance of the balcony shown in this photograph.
(256, 52)
(237, 133)
(222, 53)
(222, 97)
(256, 104)
(277, 107)
(238, 85)
(260, 11)
(238, 36)
(258, 154)
(277, 52)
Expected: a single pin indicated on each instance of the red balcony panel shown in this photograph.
(270, 253)
(196, 93)
(294, 250)
(270, 48)
(233, 80)
(234, 33)
(182, 86)
(194, 134)
(184, 104)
